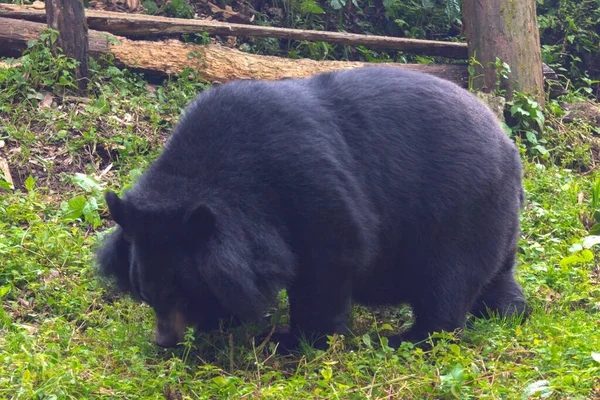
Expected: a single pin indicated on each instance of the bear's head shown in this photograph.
(172, 259)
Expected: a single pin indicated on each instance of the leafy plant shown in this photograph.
(311, 7)
(502, 70)
(170, 8)
(472, 68)
(570, 35)
(85, 206)
(40, 68)
(453, 10)
(529, 123)
(454, 380)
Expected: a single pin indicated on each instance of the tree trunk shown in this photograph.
(506, 29)
(68, 18)
(214, 63)
(138, 25)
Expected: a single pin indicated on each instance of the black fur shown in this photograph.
(379, 185)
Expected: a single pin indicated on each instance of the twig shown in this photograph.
(377, 385)
(372, 384)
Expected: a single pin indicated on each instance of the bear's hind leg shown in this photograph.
(438, 309)
(502, 296)
(444, 292)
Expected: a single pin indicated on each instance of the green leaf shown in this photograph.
(454, 348)
(337, 4)
(4, 290)
(327, 373)
(73, 209)
(531, 137)
(29, 183)
(452, 9)
(541, 149)
(540, 388)
(457, 372)
(4, 185)
(507, 129)
(385, 342)
(570, 260)
(595, 230)
(578, 258)
(150, 6)
(597, 215)
(87, 183)
(367, 340)
(575, 247)
(219, 380)
(455, 375)
(386, 327)
(311, 7)
(89, 209)
(587, 255)
(517, 109)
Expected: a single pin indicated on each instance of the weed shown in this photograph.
(40, 69)
(529, 123)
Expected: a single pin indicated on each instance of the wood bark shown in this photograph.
(214, 63)
(506, 29)
(138, 25)
(68, 18)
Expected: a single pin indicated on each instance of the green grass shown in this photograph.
(65, 334)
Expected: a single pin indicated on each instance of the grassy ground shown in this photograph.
(65, 334)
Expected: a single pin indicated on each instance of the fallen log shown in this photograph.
(219, 64)
(139, 25)
(213, 62)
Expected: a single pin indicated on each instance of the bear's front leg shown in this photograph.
(320, 305)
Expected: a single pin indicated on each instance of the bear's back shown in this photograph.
(396, 138)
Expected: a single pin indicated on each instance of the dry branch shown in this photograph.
(213, 62)
(138, 25)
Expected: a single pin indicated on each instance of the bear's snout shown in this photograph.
(170, 329)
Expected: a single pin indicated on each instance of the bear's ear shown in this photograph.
(114, 258)
(116, 207)
(200, 223)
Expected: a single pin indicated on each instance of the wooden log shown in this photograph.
(214, 63)
(139, 25)
(68, 18)
(219, 64)
(506, 29)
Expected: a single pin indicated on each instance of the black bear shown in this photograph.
(378, 185)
